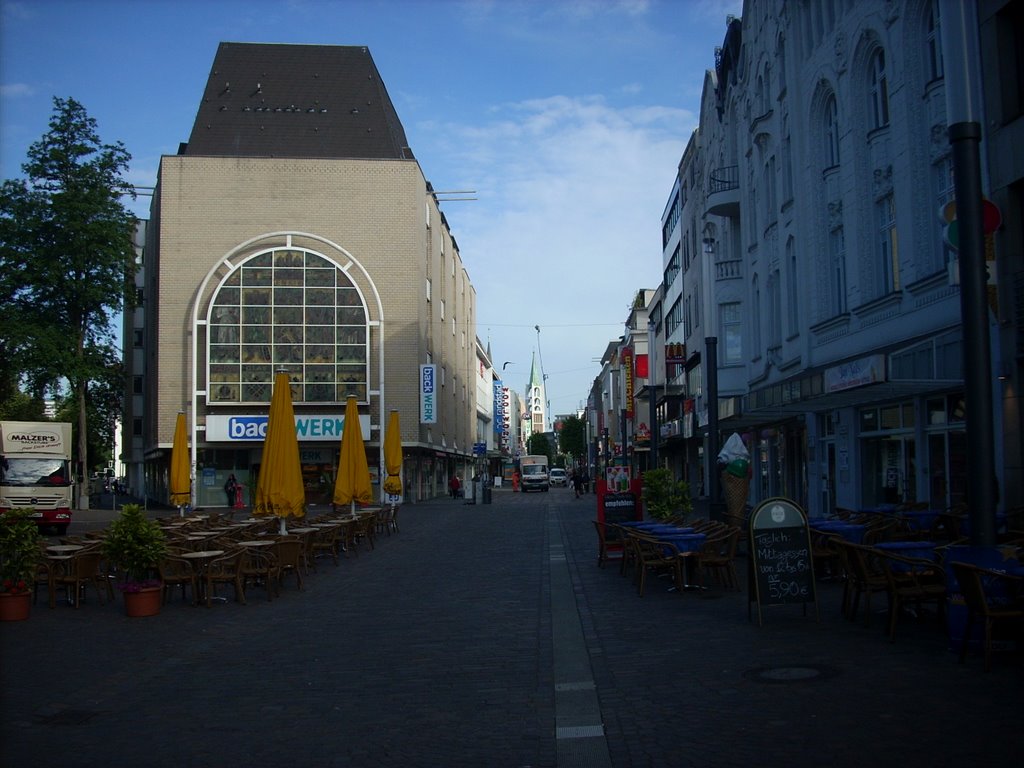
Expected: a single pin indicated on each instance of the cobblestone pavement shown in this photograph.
(486, 635)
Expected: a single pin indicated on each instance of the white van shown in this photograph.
(557, 476)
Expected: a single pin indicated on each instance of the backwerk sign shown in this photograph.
(242, 428)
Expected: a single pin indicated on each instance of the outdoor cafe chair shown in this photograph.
(290, 553)
(864, 577)
(259, 566)
(609, 543)
(912, 581)
(225, 569)
(660, 557)
(83, 570)
(718, 557)
(178, 572)
(991, 596)
(325, 542)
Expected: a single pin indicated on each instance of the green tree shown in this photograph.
(67, 262)
(572, 439)
(538, 445)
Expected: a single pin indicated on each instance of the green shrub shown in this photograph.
(665, 496)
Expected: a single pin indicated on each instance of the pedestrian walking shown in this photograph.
(577, 482)
(453, 486)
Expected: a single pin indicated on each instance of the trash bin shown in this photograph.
(486, 495)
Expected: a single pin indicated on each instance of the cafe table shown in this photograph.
(852, 532)
(255, 543)
(688, 545)
(64, 549)
(200, 561)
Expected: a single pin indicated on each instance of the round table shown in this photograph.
(64, 549)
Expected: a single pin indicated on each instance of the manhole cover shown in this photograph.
(788, 674)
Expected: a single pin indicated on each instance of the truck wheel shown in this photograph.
(62, 530)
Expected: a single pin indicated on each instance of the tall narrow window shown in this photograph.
(831, 133)
(732, 346)
(774, 309)
(942, 175)
(888, 248)
(755, 312)
(879, 90)
(934, 43)
(837, 271)
(792, 292)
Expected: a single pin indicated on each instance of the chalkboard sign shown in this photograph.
(617, 508)
(781, 568)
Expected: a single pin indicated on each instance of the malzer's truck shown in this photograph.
(35, 470)
(534, 470)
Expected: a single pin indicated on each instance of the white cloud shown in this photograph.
(567, 226)
(16, 90)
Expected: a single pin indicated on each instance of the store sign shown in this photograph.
(253, 428)
(856, 373)
(428, 394)
(499, 411)
(627, 372)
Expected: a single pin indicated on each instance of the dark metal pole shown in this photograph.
(653, 401)
(965, 138)
(711, 459)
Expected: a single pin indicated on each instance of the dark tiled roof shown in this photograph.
(270, 100)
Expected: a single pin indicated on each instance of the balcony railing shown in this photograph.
(723, 197)
(724, 179)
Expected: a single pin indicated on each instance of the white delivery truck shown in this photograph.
(534, 470)
(35, 470)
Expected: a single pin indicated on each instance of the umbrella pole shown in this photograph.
(181, 510)
(283, 529)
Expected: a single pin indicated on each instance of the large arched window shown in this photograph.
(288, 309)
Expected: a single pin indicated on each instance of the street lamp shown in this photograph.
(961, 55)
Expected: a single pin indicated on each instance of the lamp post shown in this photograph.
(711, 460)
(963, 113)
(650, 393)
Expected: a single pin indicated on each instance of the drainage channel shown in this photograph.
(579, 731)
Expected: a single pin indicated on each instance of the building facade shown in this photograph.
(804, 234)
(296, 231)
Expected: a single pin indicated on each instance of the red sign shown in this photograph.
(641, 366)
(627, 369)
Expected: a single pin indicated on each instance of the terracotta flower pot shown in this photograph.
(15, 606)
(145, 602)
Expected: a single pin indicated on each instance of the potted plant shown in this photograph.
(664, 496)
(20, 556)
(136, 544)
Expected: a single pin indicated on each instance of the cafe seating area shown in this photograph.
(213, 558)
(914, 557)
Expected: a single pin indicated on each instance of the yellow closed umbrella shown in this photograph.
(393, 457)
(279, 489)
(181, 466)
(353, 481)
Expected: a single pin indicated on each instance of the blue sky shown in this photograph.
(567, 118)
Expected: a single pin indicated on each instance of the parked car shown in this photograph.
(557, 476)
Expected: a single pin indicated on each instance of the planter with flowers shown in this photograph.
(136, 544)
(19, 558)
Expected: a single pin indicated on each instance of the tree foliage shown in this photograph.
(665, 496)
(66, 268)
(572, 438)
(538, 445)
